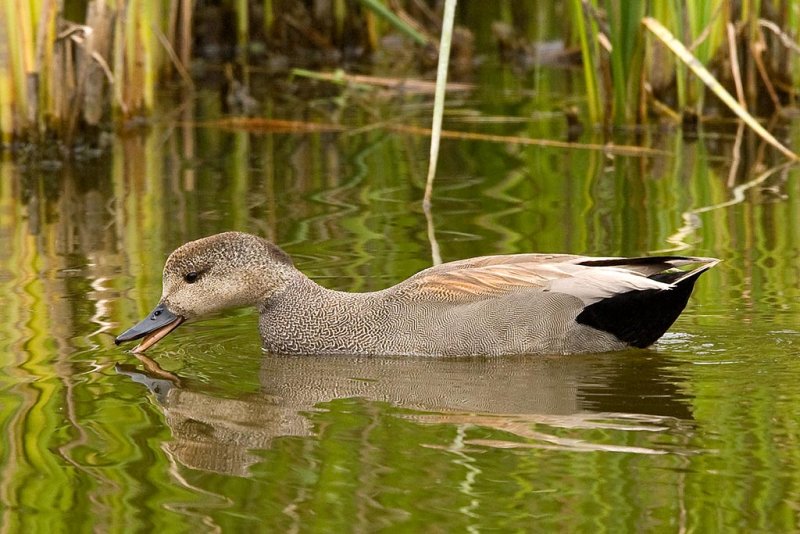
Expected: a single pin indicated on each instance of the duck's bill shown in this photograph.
(153, 329)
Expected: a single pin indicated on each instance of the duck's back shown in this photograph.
(528, 303)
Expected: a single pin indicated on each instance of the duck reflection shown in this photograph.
(630, 391)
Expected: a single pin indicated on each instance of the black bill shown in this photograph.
(153, 329)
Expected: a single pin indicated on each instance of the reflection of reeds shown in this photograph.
(344, 205)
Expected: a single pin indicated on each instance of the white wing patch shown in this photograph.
(591, 284)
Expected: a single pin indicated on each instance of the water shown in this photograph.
(699, 433)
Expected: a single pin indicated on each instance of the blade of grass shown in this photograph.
(380, 9)
(701, 72)
(705, 32)
(173, 56)
(626, 57)
(588, 53)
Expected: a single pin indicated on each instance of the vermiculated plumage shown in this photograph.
(490, 305)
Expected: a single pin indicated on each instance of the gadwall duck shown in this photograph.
(491, 305)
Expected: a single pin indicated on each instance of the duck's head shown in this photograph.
(212, 274)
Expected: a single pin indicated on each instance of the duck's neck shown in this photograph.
(305, 317)
(300, 285)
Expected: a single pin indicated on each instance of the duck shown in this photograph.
(530, 303)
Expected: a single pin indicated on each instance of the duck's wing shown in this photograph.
(588, 278)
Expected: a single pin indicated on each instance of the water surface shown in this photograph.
(699, 433)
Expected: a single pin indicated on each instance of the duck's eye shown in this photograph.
(191, 277)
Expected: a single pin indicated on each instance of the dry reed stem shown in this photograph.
(707, 78)
(176, 61)
(736, 155)
(261, 125)
(620, 150)
(186, 31)
(448, 20)
(757, 49)
(735, 72)
(256, 124)
(399, 84)
(787, 41)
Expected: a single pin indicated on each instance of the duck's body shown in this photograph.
(492, 305)
(415, 318)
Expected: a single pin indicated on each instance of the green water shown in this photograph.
(701, 433)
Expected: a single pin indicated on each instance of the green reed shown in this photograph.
(64, 76)
(626, 57)
(586, 29)
(634, 77)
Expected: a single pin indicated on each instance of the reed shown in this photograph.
(378, 7)
(624, 17)
(242, 27)
(61, 78)
(635, 77)
(706, 22)
(586, 30)
(6, 79)
(64, 78)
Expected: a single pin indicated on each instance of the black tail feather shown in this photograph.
(670, 261)
(641, 317)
